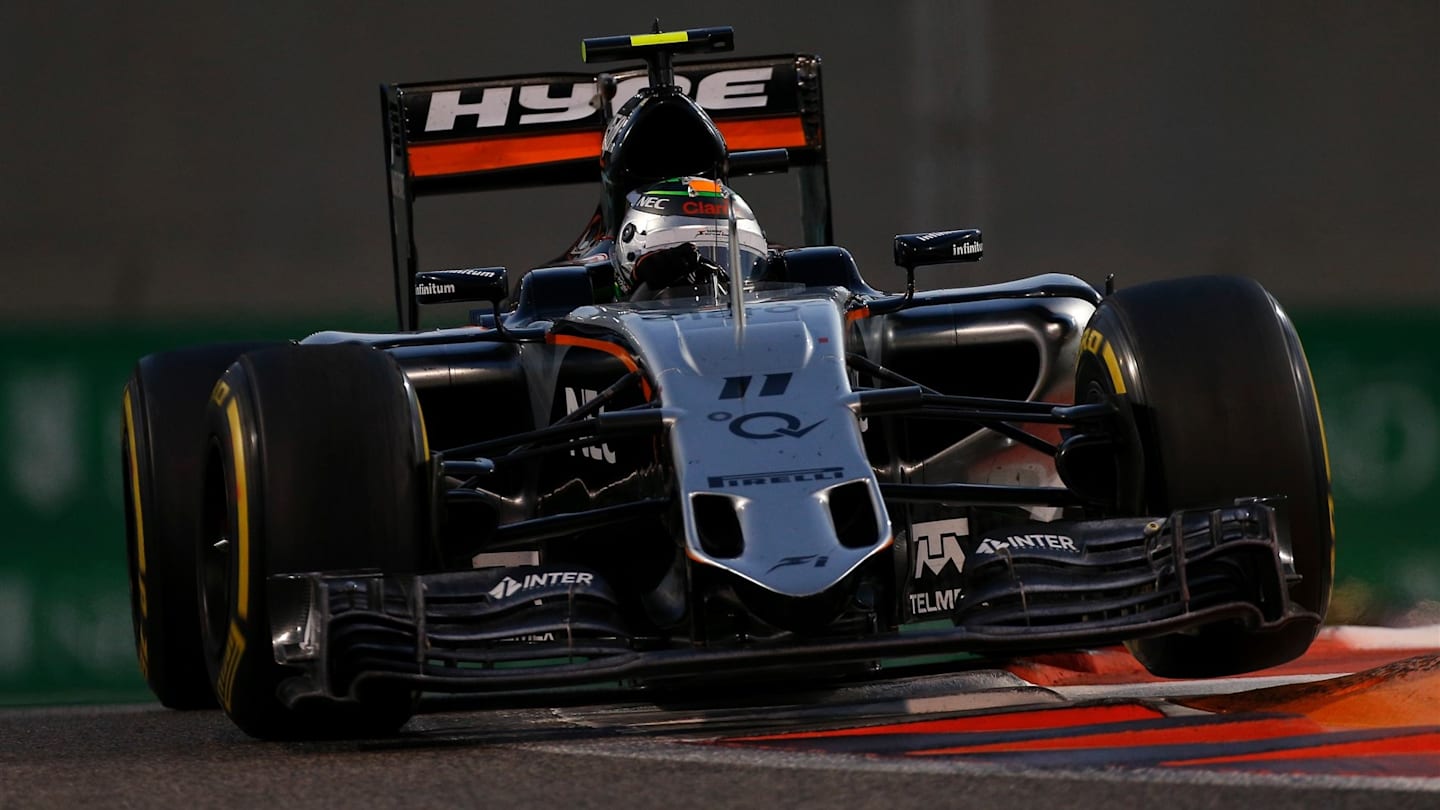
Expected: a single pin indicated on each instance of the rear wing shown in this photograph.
(546, 129)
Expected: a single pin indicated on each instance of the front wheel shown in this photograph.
(162, 456)
(1216, 403)
(317, 462)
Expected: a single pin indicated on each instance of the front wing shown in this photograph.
(527, 628)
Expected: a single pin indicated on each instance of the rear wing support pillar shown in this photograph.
(402, 204)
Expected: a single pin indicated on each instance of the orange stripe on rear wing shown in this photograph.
(763, 133)
(494, 153)
(489, 154)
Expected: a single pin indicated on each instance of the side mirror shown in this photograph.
(759, 161)
(462, 286)
(914, 250)
(918, 249)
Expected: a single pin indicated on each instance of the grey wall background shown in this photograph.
(167, 160)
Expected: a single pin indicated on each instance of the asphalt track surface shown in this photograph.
(617, 751)
(148, 757)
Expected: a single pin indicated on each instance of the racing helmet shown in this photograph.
(686, 210)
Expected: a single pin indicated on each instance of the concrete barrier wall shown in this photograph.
(170, 158)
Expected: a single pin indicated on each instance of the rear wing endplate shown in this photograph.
(546, 129)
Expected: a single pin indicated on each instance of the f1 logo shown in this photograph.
(803, 559)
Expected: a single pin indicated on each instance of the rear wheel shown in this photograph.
(317, 464)
(162, 456)
(1216, 403)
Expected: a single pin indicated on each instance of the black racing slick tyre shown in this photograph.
(317, 463)
(1216, 402)
(162, 456)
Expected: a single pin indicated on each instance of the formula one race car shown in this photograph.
(680, 453)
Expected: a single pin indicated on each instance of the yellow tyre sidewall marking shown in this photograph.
(235, 638)
(234, 650)
(134, 453)
(1324, 451)
(1095, 343)
(242, 512)
(142, 642)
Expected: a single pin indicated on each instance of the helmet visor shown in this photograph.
(712, 239)
(720, 256)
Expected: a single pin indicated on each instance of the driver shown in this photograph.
(678, 231)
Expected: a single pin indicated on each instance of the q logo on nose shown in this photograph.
(766, 425)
